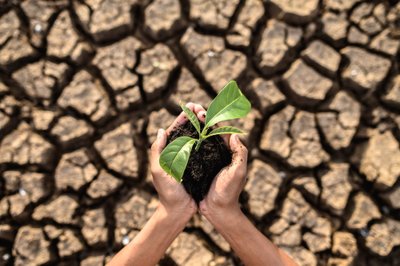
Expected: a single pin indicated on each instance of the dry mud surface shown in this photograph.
(84, 85)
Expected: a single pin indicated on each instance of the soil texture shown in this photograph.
(204, 164)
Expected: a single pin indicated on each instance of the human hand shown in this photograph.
(173, 197)
(222, 199)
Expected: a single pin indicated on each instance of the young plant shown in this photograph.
(229, 104)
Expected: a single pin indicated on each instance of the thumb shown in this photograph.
(238, 149)
(159, 143)
(239, 154)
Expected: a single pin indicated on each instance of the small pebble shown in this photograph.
(125, 240)
(37, 28)
(364, 232)
(6, 256)
(22, 192)
(385, 209)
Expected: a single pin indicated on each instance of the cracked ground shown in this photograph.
(85, 84)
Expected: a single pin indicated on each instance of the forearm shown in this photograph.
(252, 247)
(149, 246)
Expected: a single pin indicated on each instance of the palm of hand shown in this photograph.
(169, 190)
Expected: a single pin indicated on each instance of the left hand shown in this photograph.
(173, 197)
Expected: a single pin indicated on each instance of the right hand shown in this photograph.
(222, 199)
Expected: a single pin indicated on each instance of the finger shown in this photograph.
(199, 111)
(198, 108)
(239, 155)
(201, 115)
(238, 149)
(158, 144)
(226, 138)
(181, 119)
(191, 106)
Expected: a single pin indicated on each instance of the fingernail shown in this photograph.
(160, 133)
(235, 139)
(202, 114)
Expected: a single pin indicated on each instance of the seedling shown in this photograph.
(229, 104)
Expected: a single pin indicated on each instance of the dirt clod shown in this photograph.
(204, 164)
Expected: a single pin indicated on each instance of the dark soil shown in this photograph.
(203, 164)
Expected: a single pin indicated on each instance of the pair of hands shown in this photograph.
(220, 207)
(223, 198)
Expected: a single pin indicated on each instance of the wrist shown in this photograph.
(174, 215)
(220, 217)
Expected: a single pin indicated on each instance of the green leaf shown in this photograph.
(225, 130)
(229, 104)
(175, 156)
(192, 117)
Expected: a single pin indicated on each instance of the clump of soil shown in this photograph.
(203, 164)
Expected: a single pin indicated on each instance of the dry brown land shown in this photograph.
(84, 85)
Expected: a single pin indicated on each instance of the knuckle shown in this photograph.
(190, 105)
(199, 107)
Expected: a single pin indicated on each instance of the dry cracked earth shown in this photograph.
(84, 85)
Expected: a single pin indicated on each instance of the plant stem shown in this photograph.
(202, 136)
(199, 141)
(203, 132)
